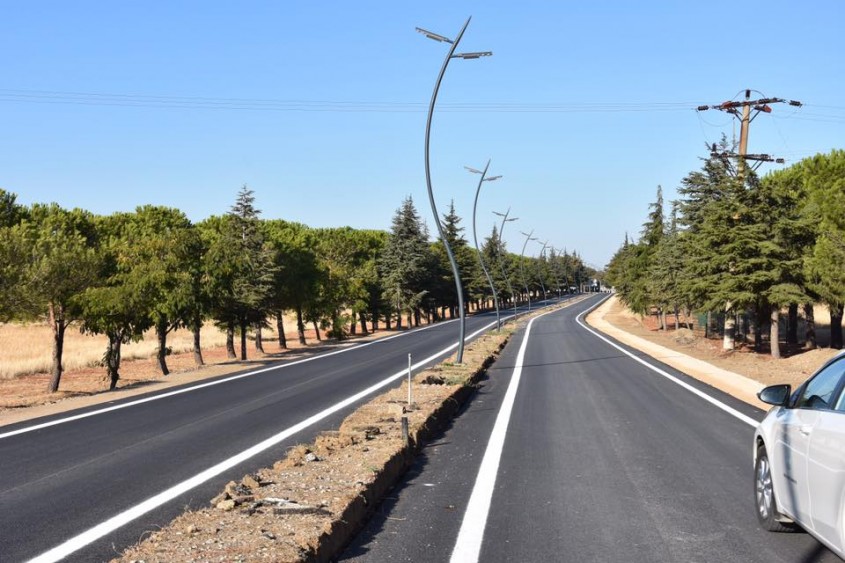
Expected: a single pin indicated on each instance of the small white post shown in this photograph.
(409, 380)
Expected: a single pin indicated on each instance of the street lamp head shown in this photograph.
(434, 36)
(504, 216)
(473, 170)
(476, 55)
(491, 178)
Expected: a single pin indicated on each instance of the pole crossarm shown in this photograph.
(759, 158)
(761, 104)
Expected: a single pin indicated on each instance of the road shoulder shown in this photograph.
(735, 384)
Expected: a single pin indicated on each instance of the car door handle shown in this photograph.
(805, 429)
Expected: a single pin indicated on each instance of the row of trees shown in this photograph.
(417, 278)
(124, 274)
(736, 243)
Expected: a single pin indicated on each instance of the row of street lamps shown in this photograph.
(484, 178)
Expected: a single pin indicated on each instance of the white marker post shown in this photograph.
(409, 381)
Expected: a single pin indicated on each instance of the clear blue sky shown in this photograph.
(579, 178)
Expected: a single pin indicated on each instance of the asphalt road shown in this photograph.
(60, 481)
(603, 460)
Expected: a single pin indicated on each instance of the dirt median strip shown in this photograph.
(732, 383)
(308, 506)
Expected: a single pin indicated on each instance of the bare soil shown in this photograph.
(761, 367)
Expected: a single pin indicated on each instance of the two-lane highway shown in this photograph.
(88, 482)
(575, 451)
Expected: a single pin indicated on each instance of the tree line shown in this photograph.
(737, 243)
(123, 274)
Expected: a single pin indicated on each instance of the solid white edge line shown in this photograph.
(715, 402)
(209, 384)
(93, 534)
(468, 545)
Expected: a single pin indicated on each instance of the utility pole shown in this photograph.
(745, 117)
(760, 105)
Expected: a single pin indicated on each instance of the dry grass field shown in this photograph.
(27, 349)
(26, 352)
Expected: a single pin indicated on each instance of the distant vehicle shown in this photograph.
(799, 457)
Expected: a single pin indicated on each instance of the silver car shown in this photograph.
(799, 457)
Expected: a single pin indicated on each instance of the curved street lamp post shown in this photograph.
(475, 236)
(555, 263)
(449, 56)
(505, 219)
(528, 237)
(540, 269)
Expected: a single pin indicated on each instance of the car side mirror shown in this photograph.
(777, 395)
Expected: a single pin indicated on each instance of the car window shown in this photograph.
(819, 391)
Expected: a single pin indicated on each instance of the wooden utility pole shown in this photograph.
(745, 117)
(745, 124)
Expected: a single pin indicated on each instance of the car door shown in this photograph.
(793, 446)
(798, 424)
(826, 472)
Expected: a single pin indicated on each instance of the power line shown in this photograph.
(147, 101)
(259, 104)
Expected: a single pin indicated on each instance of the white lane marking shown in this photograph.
(93, 534)
(209, 384)
(730, 410)
(468, 545)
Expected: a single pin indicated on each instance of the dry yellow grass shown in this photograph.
(27, 348)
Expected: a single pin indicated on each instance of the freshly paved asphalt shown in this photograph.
(59, 481)
(604, 460)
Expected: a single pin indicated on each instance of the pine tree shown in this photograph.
(473, 282)
(824, 180)
(636, 260)
(493, 252)
(242, 266)
(653, 228)
(120, 306)
(713, 213)
(48, 258)
(405, 261)
(666, 270)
